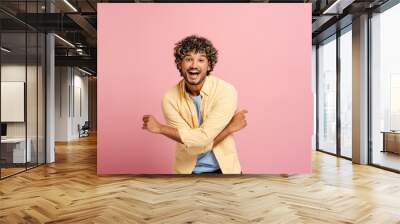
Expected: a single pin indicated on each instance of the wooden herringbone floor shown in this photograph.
(69, 191)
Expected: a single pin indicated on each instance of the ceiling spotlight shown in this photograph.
(337, 7)
(5, 50)
(64, 40)
(84, 71)
(70, 5)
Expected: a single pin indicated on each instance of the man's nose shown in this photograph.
(193, 64)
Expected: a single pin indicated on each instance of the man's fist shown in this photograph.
(238, 121)
(151, 124)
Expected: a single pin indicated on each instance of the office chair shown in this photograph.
(84, 130)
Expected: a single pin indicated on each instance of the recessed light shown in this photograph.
(64, 40)
(5, 50)
(84, 71)
(70, 5)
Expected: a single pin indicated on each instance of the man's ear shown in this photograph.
(178, 65)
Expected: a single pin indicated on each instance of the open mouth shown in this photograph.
(193, 74)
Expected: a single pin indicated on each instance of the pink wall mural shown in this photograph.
(264, 51)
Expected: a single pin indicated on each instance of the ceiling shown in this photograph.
(76, 22)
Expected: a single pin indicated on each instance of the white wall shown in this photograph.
(15, 72)
(79, 117)
(62, 81)
(71, 93)
(10, 73)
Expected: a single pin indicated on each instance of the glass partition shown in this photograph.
(14, 153)
(22, 77)
(32, 95)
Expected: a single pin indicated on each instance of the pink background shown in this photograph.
(264, 51)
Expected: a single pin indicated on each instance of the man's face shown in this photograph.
(194, 67)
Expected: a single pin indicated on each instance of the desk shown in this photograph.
(13, 150)
(391, 141)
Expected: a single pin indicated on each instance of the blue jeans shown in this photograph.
(216, 171)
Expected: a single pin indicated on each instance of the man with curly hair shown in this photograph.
(200, 112)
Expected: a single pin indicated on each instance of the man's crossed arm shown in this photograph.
(219, 123)
(237, 123)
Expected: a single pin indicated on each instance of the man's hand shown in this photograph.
(237, 122)
(151, 124)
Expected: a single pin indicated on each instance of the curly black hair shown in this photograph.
(197, 44)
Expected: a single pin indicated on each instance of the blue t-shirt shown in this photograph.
(206, 162)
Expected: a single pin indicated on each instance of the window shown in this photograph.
(385, 88)
(346, 92)
(327, 95)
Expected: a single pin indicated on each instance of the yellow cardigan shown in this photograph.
(219, 103)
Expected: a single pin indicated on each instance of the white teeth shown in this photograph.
(193, 76)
